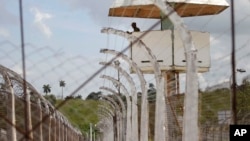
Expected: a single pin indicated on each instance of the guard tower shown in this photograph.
(184, 8)
(166, 44)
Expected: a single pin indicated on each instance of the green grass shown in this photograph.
(80, 112)
(213, 102)
(83, 112)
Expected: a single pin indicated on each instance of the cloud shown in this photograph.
(39, 21)
(221, 22)
(6, 16)
(4, 32)
(98, 10)
(202, 81)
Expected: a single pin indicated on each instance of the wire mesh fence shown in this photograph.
(67, 49)
(43, 119)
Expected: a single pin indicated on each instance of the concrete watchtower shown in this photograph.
(169, 51)
(167, 46)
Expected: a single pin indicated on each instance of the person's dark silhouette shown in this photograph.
(136, 29)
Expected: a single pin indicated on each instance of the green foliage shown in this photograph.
(80, 112)
(51, 98)
(83, 112)
(46, 89)
(220, 100)
(69, 97)
(94, 96)
(62, 83)
(78, 97)
(243, 106)
(213, 102)
(151, 93)
(73, 97)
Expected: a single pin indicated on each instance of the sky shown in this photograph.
(63, 42)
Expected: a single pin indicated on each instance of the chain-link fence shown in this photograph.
(59, 58)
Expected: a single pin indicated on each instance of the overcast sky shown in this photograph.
(63, 40)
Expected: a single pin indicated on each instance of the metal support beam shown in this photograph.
(128, 131)
(191, 93)
(144, 103)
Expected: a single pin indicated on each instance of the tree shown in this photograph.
(62, 84)
(51, 98)
(69, 97)
(151, 93)
(46, 89)
(78, 97)
(94, 96)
